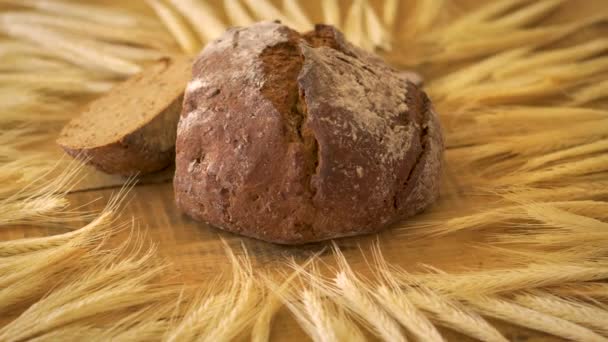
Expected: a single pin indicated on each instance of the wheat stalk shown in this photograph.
(389, 13)
(454, 49)
(567, 193)
(528, 15)
(475, 73)
(174, 24)
(265, 10)
(261, 328)
(202, 18)
(582, 167)
(574, 311)
(222, 316)
(78, 48)
(590, 93)
(297, 14)
(351, 293)
(97, 14)
(595, 291)
(108, 287)
(482, 14)
(90, 29)
(321, 319)
(237, 13)
(441, 309)
(331, 13)
(375, 29)
(404, 311)
(516, 314)
(552, 57)
(531, 276)
(453, 315)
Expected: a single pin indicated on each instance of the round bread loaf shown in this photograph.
(294, 138)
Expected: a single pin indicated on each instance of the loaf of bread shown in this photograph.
(131, 129)
(294, 138)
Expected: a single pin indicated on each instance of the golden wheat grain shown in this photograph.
(260, 331)
(313, 304)
(107, 287)
(222, 316)
(241, 315)
(585, 291)
(17, 174)
(519, 315)
(237, 13)
(403, 310)
(197, 317)
(352, 294)
(453, 315)
(441, 309)
(147, 324)
(28, 245)
(563, 228)
(23, 173)
(22, 279)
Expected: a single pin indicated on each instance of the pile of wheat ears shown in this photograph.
(524, 121)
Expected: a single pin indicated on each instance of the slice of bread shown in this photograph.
(132, 129)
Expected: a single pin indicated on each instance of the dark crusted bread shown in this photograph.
(294, 138)
(132, 128)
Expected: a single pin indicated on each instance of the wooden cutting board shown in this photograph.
(196, 251)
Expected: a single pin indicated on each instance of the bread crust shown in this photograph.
(293, 138)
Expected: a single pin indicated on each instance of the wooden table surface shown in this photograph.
(196, 252)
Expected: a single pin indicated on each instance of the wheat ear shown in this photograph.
(522, 316)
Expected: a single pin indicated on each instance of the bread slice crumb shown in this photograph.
(132, 129)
